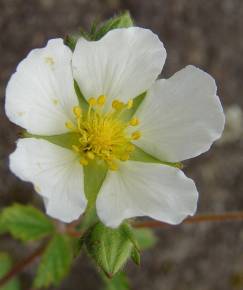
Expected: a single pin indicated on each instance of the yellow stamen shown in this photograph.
(134, 121)
(101, 100)
(83, 161)
(77, 111)
(90, 155)
(92, 101)
(117, 105)
(69, 125)
(129, 104)
(136, 135)
(103, 135)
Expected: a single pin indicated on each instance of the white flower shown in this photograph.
(179, 118)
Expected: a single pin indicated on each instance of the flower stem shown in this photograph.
(228, 216)
(22, 265)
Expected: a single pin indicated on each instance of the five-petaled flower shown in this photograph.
(138, 139)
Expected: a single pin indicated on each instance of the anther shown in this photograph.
(129, 104)
(136, 135)
(117, 105)
(69, 125)
(92, 101)
(101, 100)
(90, 155)
(84, 161)
(77, 111)
(134, 121)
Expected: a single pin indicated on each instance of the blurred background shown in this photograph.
(207, 34)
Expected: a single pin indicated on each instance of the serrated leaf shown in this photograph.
(5, 266)
(26, 223)
(55, 262)
(145, 238)
(118, 282)
(110, 248)
(123, 20)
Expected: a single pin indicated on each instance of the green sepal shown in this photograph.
(26, 223)
(122, 20)
(82, 101)
(139, 155)
(118, 282)
(71, 40)
(64, 140)
(94, 175)
(135, 255)
(110, 248)
(5, 266)
(55, 263)
(128, 114)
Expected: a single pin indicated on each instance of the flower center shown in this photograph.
(103, 135)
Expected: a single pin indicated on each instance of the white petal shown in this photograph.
(55, 173)
(145, 189)
(40, 94)
(122, 65)
(181, 117)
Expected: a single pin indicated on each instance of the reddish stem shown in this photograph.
(231, 216)
(22, 265)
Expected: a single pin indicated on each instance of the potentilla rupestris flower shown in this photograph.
(136, 139)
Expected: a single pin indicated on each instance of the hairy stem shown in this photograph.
(228, 216)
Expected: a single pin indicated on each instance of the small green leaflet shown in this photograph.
(55, 262)
(25, 222)
(5, 266)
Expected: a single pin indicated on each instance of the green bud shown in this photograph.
(111, 248)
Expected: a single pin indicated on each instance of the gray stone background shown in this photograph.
(205, 33)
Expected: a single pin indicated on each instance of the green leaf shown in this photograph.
(118, 282)
(26, 223)
(55, 262)
(122, 20)
(110, 248)
(5, 266)
(145, 238)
